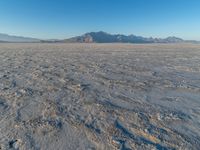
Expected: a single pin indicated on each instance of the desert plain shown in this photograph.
(99, 96)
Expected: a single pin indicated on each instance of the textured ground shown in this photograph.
(99, 96)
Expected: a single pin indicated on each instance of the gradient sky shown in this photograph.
(65, 18)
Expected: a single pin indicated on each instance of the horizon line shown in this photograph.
(81, 34)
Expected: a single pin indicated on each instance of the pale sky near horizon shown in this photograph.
(49, 19)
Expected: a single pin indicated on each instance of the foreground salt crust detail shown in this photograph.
(99, 96)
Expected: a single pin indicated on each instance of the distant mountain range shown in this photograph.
(98, 37)
(11, 38)
(103, 37)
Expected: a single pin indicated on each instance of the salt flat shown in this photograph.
(99, 96)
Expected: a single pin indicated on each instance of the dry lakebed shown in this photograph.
(99, 96)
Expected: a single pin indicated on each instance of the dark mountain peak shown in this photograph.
(99, 32)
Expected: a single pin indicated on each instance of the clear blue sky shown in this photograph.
(66, 18)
